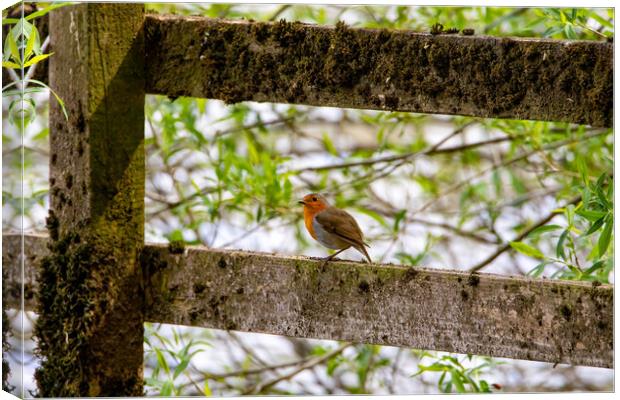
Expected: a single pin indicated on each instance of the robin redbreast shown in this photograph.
(332, 227)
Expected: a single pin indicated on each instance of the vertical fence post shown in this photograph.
(90, 326)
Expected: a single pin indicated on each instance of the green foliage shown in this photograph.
(457, 377)
(234, 173)
(22, 49)
(589, 226)
(170, 357)
(573, 23)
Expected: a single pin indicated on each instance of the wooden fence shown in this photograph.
(98, 282)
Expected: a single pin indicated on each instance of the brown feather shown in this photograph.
(342, 224)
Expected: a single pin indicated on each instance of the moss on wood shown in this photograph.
(380, 69)
(90, 325)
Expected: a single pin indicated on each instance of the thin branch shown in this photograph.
(523, 234)
(396, 157)
(13, 75)
(455, 230)
(307, 365)
(251, 371)
(468, 146)
(252, 231)
(247, 350)
(517, 158)
(33, 68)
(389, 168)
(252, 126)
(279, 12)
(390, 211)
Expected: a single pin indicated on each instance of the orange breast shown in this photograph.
(308, 217)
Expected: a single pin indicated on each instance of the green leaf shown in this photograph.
(161, 360)
(30, 44)
(11, 65)
(569, 31)
(175, 236)
(573, 14)
(601, 20)
(497, 182)
(527, 250)
(563, 17)
(13, 46)
(595, 226)
(458, 382)
(36, 59)
(398, 217)
(596, 266)
(559, 250)
(207, 389)
(538, 270)
(45, 10)
(8, 93)
(543, 229)
(605, 238)
(58, 99)
(166, 389)
(329, 145)
(517, 184)
(591, 215)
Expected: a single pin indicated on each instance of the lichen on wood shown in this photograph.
(453, 311)
(385, 69)
(513, 317)
(90, 325)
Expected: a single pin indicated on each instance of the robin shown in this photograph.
(332, 227)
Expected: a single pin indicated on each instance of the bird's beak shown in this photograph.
(302, 202)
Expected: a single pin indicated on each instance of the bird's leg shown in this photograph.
(328, 258)
(335, 254)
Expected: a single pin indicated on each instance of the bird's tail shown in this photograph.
(362, 250)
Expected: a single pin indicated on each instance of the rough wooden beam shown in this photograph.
(519, 78)
(35, 249)
(90, 325)
(502, 316)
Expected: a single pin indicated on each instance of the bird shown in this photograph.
(333, 227)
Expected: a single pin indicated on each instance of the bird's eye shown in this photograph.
(314, 199)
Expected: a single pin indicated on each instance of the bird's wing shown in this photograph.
(341, 224)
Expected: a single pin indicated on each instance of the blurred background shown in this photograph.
(428, 190)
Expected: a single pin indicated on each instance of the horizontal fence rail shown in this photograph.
(384, 69)
(486, 314)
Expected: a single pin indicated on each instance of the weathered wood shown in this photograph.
(520, 78)
(90, 325)
(35, 249)
(513, 317)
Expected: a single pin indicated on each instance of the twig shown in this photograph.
(370, 177)
(522, 156)
(396, 157)
(309, 364)
(279, 12)
(252, 126)
(455, 230)
(33, 68)
(256, 371)
(468, 146)
(523, 234)
(248, 350)
(250, 232)
(13, 75)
